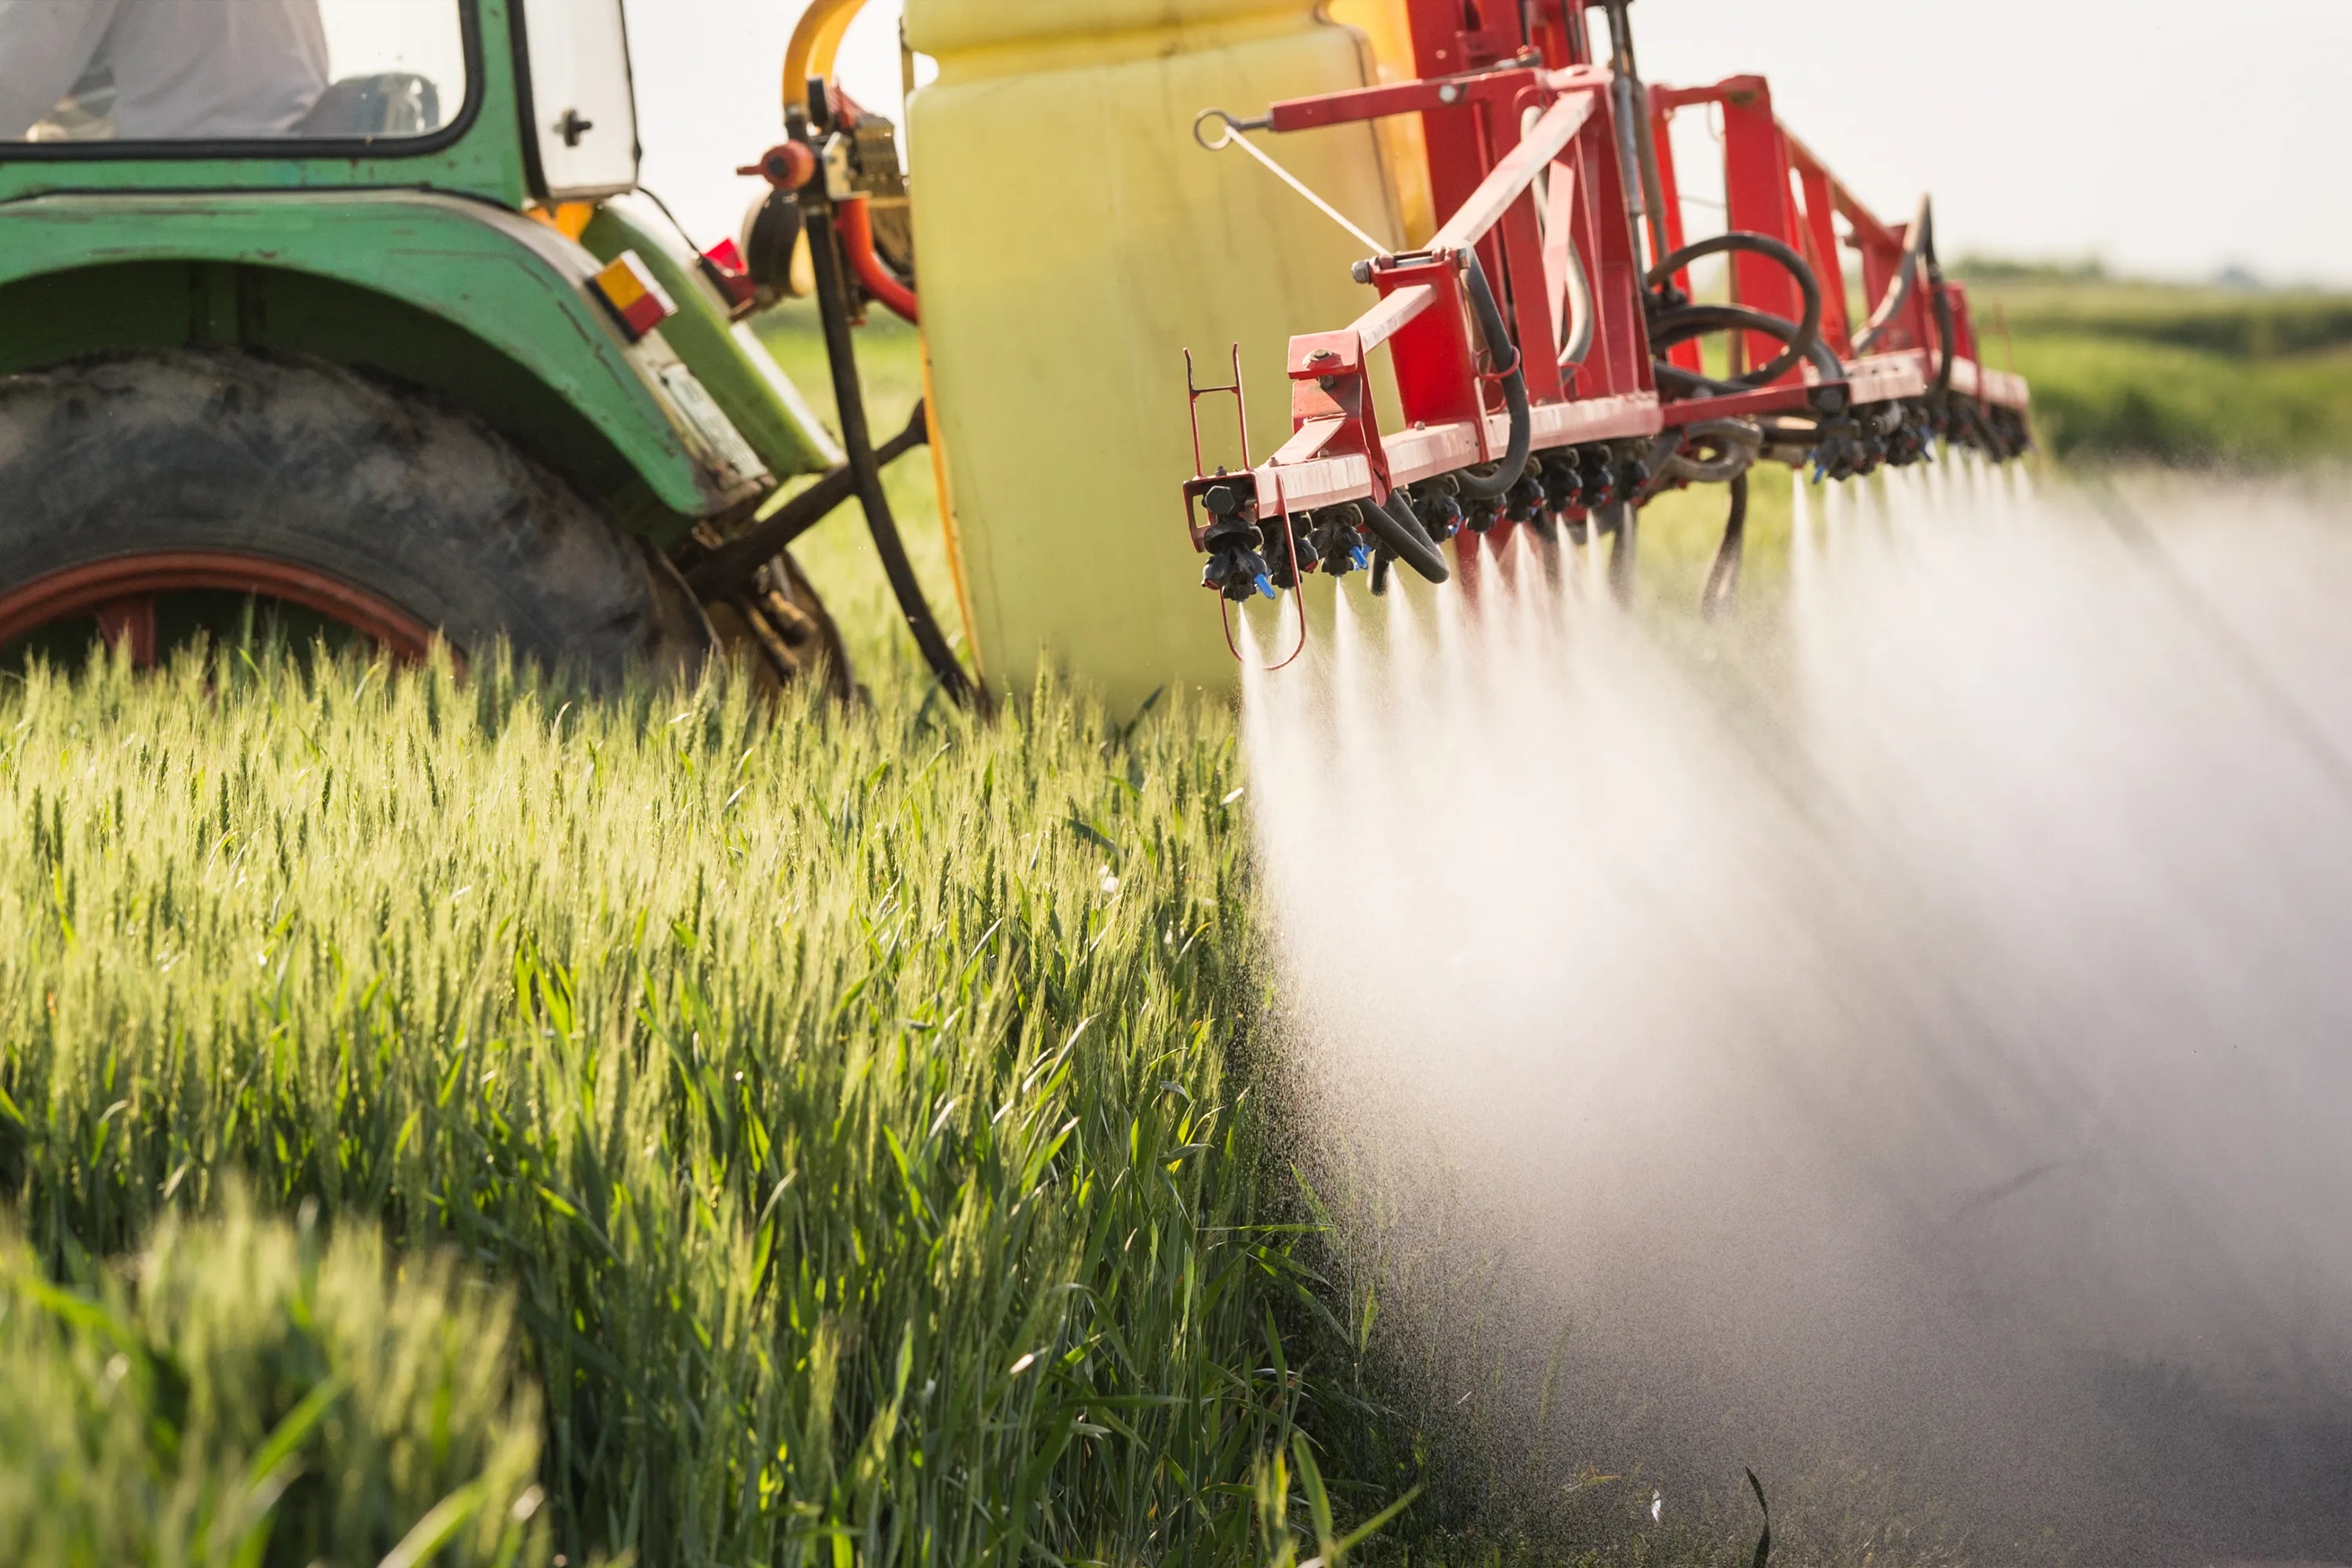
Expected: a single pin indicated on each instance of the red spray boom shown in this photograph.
(1545, 340)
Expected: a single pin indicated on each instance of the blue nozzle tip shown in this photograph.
(1264, 586)
(1361, 557)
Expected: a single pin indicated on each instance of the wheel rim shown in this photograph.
(119, 593)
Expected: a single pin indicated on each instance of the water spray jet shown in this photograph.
(1931, 1058)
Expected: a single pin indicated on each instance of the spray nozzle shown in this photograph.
(1562, 483)
(1334, 536)
(1527, 499)
(1237, 565)
(1433, 504)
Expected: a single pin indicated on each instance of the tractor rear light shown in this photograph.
(723, 265)
(633, 295)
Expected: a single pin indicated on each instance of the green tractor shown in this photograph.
(325, 307)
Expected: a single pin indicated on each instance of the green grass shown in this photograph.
(244, 1390)
(833, 1137)
(853, 1110)
(2129, 372)
(2244, 323)
(2123, 399)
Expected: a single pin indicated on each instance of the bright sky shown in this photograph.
(2172, 137)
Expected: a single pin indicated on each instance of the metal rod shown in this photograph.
(1644, 187)
(1230, 136)
(731, 568)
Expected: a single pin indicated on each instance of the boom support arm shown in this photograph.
(1548, 192)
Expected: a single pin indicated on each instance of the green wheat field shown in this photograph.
(798, 1136)
(464, 1121)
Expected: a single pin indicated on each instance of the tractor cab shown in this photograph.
(254, 232)
(280, 80)
(174, 74)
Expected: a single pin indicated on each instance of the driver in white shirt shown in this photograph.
(183, 69)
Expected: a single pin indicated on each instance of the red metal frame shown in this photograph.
(1203, 480)
(1484, 65)
(1201, 485)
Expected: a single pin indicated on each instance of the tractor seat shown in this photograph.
(388, 103)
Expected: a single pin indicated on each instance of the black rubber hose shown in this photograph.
(1945, 327)
(1687, 321)
(1809, 327)
(1918, 253)
(849, 399)
(1514, 466)
(1406, 540)
(731, 568)
(1919, 266)
(1675, 382)
(1722, 590)
(1624, 520)
(1947, 331)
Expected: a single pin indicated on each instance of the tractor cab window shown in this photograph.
(229, 71)
(583, 103)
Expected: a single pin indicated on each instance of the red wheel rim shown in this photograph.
(119, 593)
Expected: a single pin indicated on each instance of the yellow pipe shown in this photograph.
(816, 39)
(828, 44)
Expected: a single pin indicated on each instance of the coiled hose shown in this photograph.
(1736, 442)
(1800, 336)
(1686, 323)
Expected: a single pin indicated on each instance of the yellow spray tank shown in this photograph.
(1074, 240)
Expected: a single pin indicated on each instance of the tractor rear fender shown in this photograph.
(726, 356)
(468, 300)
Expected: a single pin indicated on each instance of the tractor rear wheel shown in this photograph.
(141, 493)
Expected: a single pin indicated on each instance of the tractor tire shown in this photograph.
(280, 459)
